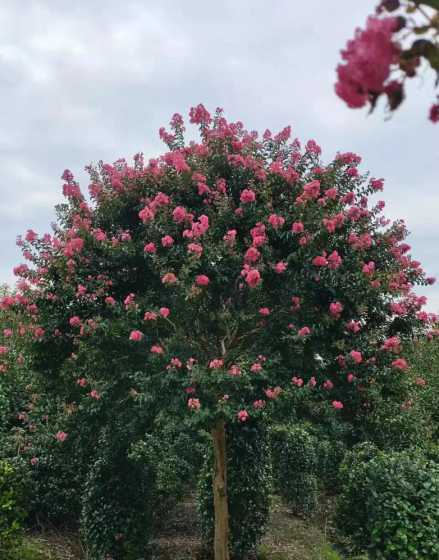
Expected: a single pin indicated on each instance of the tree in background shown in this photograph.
(218, 278)
(398, 43)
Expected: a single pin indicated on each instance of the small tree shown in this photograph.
(220, 277)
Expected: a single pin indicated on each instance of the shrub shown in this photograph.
(249, 486)
(389, 504)
(295, 462)
(116, 517)
(330, 454)
(174, 455)
(424, 360)
(12, 511)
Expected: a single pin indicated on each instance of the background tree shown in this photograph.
(225, 275)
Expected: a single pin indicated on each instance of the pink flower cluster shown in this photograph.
(368, 60)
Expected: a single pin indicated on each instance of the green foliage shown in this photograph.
(249, 486)
(174, 455)
(12, 511)
(131, 487)
(389, 503)
(27, 549)
(424, 361)
(295, 462)
(117, 501)
(330, 454)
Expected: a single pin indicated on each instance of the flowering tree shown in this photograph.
(390, 50)
(223, 275)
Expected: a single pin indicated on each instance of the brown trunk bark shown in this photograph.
(221, 539)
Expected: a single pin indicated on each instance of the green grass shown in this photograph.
(29, 549)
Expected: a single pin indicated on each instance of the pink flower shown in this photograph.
(31, 235)
(297, 227)
(392, 344)
(95, 394)
(167, 241)
(39, 332)
(335, 308)
(7, 333)
(169, 278)
(337, 405)
(297, 381)
(61, 436)
(312, 382)
(217, 363)
(273, 393)
(164, 312)
(331, 193)
(130, 302)
(334, 260)
(243, 416)
(353, 326)
(4, 350)
(194, 404)
(256, 367)
(328, 385)
(156, 349)
(350, 377)
(99, 235)
(230, 237)
(75, 321)
(280, 267)
(377, 184)
(252, 255)
(400, 363)
(320, 261)
(311, 190)
(136, 336)
(253, 278)
(368, 268)
(175, 363)
(150, 316)
(356, 356)
(34, 461)
(82, 382)
(257, 405)
(202, 280)
(110, 300)
(420, 382)
(247, 196)
(150, 248)
(304, 331)
(195, 248)
(368, 57)
(276, 221)
(146, 214)
(264, 311)
(199, 115)
(179, 214)
(234, 370)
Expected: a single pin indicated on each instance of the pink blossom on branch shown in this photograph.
(368, 59)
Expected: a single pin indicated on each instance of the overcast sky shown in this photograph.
(89, 80)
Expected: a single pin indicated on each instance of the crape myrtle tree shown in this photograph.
(399, 43)
(222, 276)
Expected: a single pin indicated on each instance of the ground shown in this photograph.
(288, 538)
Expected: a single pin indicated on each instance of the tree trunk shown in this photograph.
(221, 508)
